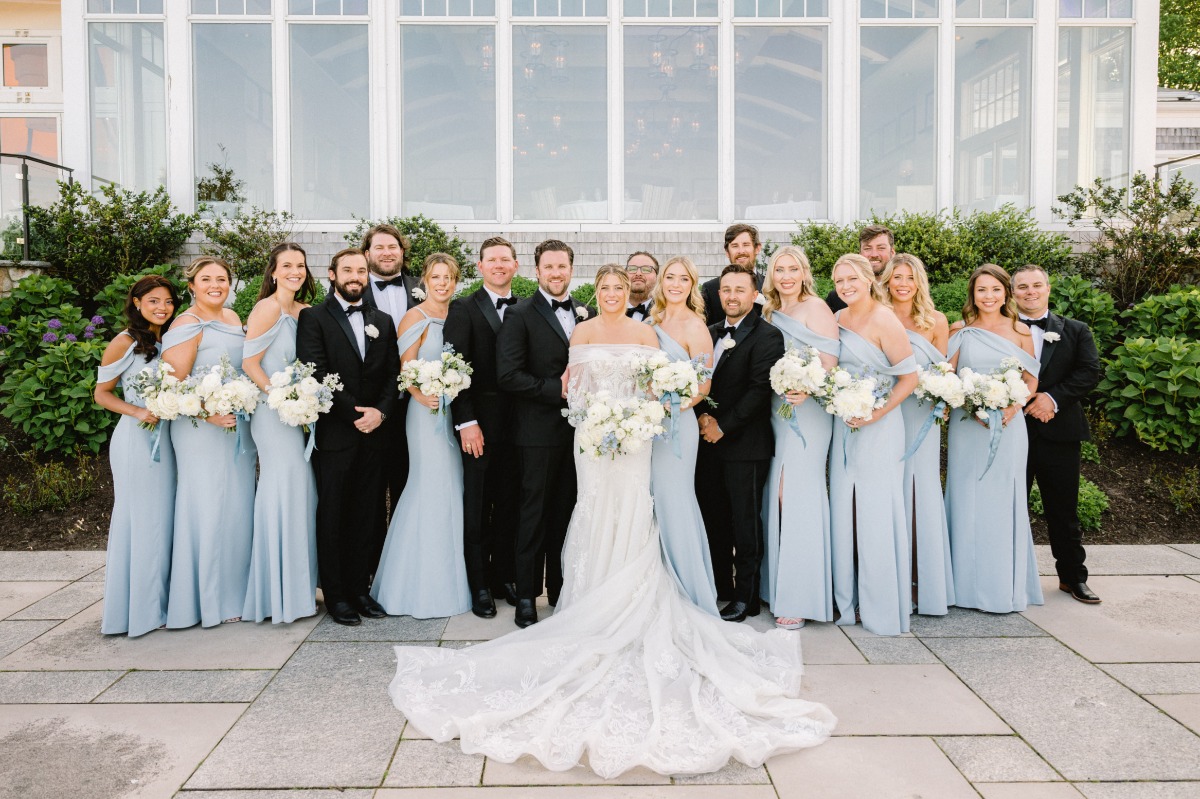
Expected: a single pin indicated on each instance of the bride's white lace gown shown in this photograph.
(628, 672)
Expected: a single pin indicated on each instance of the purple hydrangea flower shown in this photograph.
(88, 333)
(3, 330)
(90, 329)
(97, 320)
(54, 324)
(70, 337)
(49, 338)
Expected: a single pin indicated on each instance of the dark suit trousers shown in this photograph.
(1055, 466)
(730, 497)
(490, 502)
(347, 518)
(394, 473)
(547, 499)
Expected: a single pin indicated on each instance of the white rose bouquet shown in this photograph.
(221, 389)
(608, 426)
(162, 392)
(798, 370)
(298, 397)
(848, 396)
(988, 394)
(939, 385)
(674, 381)
(445, 378)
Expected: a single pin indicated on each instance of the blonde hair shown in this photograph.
(863, 267)
(694, 301)
(771, 293)
(191, 270)
(435, 258)
(922, 304)
(612, 269)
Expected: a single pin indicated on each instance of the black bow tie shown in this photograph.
(728, 331)
(563, 304)
(353, 309)
(502, 301)
(1037, 322)
(636, 309)
(398, 280)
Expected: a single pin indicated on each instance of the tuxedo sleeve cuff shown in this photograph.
(1052, 399)
(471, 423)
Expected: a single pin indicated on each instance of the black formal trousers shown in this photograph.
(490, 504)
(348, 480)
(394, 476)
(730, 496)
(547, 499)
(1055, 467)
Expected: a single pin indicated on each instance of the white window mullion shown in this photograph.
(1144, 77)
(842, 122)
(726, 124)
(946, 104)
(378, 23)
(504, 112)
(75, 132)
(393, 71)
(280, 121)
(181, 161)
(616, 116)
(1043, 122)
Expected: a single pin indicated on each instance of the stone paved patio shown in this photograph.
(1062, 701)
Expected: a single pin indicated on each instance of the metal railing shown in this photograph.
(25, 178)
(1187, 165)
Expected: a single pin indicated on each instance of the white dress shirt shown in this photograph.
(566, 317)
(493, 296)
(1039, 338)
(357, 324)
(720, 347)
(392, 300)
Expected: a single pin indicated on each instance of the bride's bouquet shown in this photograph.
(445, 378)
(165, 395)
(673, 381)
(610, 426)
(848, 396)
(985, 394)
(222, 389)
(798, 370)
(298, 397)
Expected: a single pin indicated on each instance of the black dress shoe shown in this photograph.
(526, 613)
(1081, 592)
(482, 604)
(508, 591)
(370, 608)
(738, 611)
(343, 613)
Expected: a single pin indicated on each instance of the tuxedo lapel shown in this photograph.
(484, 301)
(335, 310)
(543, 308)
(371, 318)
(741, 334)
(1054, 324)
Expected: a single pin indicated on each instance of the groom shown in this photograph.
(347, 337)
(732, 463)
(531, 359)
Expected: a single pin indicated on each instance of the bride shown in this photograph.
(627, 672)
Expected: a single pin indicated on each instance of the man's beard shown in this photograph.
(377, 268)
(345, 294)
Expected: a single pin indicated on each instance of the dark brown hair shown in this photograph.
(734, 269)
(394, 232)
(970, 313)
(136, 326)
(308, 289)
(553, 245)
(497, 241)
(340, 254)
(737, 229)
(875, 231)
(635, 254)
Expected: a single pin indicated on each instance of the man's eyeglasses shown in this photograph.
(645, 270)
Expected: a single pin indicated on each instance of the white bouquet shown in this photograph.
(939, 385)
(675, 381)
(608, 426)
(298, 397)
(445, 378)
(165, 395)
(222, 389)
(798, 370)
(847, 396)
(986, 392)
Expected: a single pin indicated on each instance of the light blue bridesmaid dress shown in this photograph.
(923, 503)
(990, 541)
(866, 504)
(214, 503)
(138, 566)
(673, 486)
(422, 572)
(797, 576)
(283, 560)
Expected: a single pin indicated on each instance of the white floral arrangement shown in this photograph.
(371, 331)
(848, 396)
(299, 398)
(222, 389)
(581, 313)
(992, 391)
(165, 395)
(727, 343)
(674, 381)
(1050, 337)
(798, 370)
(445, 378)
(938, 384)
(605, 425)
(418, 294)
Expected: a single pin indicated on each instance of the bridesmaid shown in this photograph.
(283, 558)
(678, 319)
(871, 571)
(422, 572)
(138, 565)
(214, 504)
(990, 540)
(797, 577)
(924, 508)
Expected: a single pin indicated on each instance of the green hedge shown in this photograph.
(1075, 297)
(110, 301)
(424, 238)
(49, 398)
(1176, 313)
(1151, 388)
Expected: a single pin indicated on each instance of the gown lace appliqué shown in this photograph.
(628, 672)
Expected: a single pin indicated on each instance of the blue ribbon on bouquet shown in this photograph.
(311, 444)
(155, 438)
(995, 424)
(939, 408)
(443, 411)
(794, 422)
(238, 443)
(676, 403)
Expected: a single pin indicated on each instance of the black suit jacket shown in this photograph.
(834, 301)
(531, 355)
(741, 387)
(1070, 370)
(472, 327)
(410, 282)
(324, 338)
(710, 291)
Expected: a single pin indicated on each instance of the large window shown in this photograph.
(1093, 106)
(128, 103)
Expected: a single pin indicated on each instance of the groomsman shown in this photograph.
(732, 463)
(346, 336)
(483, 419)
(531, 361)
(1055, 421)
(876, 243)
(643, 274)
(742, 247)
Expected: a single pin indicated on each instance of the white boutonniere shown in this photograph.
(418, 293)
(371, 331)
(1051, 337)
(581, 313)
(728, 343)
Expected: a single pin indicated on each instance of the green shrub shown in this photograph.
(247, 297)
(1093, 503)
(110, 301)
(949, 297)
(1151, 387)
(521, 287)
(824, 244)
(49, 486)
(30, 336)
(1146, 238)
(245, 240)
(424, 238)
(823, 285)
(49, 398)
(91, 238)
(1089, 452)
(1181, 487)
(1010, 237)
(1075, 297)
(35, 295)
(586, 294)
(1176, 313)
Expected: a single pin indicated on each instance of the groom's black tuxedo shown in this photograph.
(1070, 369)
(532, 350)
(348, 463)
(491, 481)
(731, 474)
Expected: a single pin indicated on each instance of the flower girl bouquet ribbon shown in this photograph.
(165, 397)
(939, 385)
(222, 389)
(674, 382)
(299, 399)
(609, 426)
(798, 370)
(988, 394)
(444, 378)
(848, 396)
